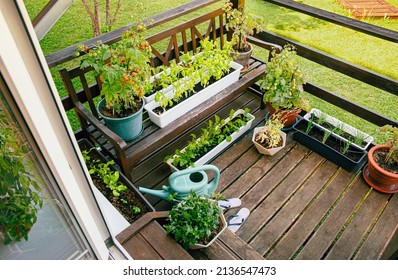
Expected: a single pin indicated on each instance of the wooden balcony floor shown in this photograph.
(302, 206)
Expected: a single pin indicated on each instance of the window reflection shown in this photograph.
(55, 234)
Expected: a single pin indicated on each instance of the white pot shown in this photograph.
(261, 149)
(220, 147)
(201, 246)
(193, 101)
(346, 127)
(151, 97)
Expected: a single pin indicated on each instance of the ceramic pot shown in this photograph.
(377, 177)
(267, 151)
(128, 128)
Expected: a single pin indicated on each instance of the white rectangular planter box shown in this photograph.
(346, 127)
(193, 101)
(223, 145)
(151, 97)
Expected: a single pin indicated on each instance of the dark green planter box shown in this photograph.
(353, 161)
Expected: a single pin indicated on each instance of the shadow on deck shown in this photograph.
(302, 206)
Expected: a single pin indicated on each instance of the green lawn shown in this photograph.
(366, 51)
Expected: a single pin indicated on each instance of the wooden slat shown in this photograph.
(355, 231)
(302, 230)
(288, 214)
(325, 235)
(239, 247)
(263, 188)
(217, 251)
(383, 232)
(164, 245)
(254, 173)
(139, 249)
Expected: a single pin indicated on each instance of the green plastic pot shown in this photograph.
(128, 128)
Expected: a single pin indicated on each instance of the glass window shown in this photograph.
(30, 205)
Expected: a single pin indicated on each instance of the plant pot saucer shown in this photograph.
(285, 129)
(391, 189)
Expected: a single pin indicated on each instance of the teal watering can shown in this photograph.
(181, 183)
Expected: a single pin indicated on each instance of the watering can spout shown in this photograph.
(163, 194)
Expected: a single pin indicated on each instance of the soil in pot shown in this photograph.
(332, 142)
(129, 204)
(379, 157)
(123, 112)
(266, 145)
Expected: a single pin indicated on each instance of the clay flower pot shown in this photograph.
(288, 115)
(377, 177)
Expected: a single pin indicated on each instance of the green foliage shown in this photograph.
(211, 62)
(20, 198)
(243, 24)
(123, 68)
(213, 134)
(103, 170)
(269, 135)
(283, 81)
(391, 136)
(193, 220)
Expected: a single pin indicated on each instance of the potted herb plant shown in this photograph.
(269, 139)
(381, 173)
(242, 24)
(124, 73)
(195, 222)
(20, 198)
(282, 85)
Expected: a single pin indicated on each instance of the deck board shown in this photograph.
(302, 206)
(304, 228)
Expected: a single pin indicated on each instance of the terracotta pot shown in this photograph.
(289, 115)
(243, 58)
(377, 177)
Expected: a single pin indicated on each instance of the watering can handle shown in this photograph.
(210, 167)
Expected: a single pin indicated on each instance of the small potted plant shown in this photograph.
(20, 199)
(124, 74)
(242, 24)
(195, 222)
(269, 139)
(282, 85)
(381, 172)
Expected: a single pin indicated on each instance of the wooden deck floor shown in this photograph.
(302, 206)
(370, 8)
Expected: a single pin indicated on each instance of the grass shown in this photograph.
(369, 52)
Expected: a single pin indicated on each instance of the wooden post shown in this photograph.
(240, 4)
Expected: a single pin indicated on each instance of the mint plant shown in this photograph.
(194, 220)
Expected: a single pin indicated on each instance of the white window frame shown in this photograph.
(25, 71)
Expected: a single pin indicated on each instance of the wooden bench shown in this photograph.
(147, 240)
(82, 94)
